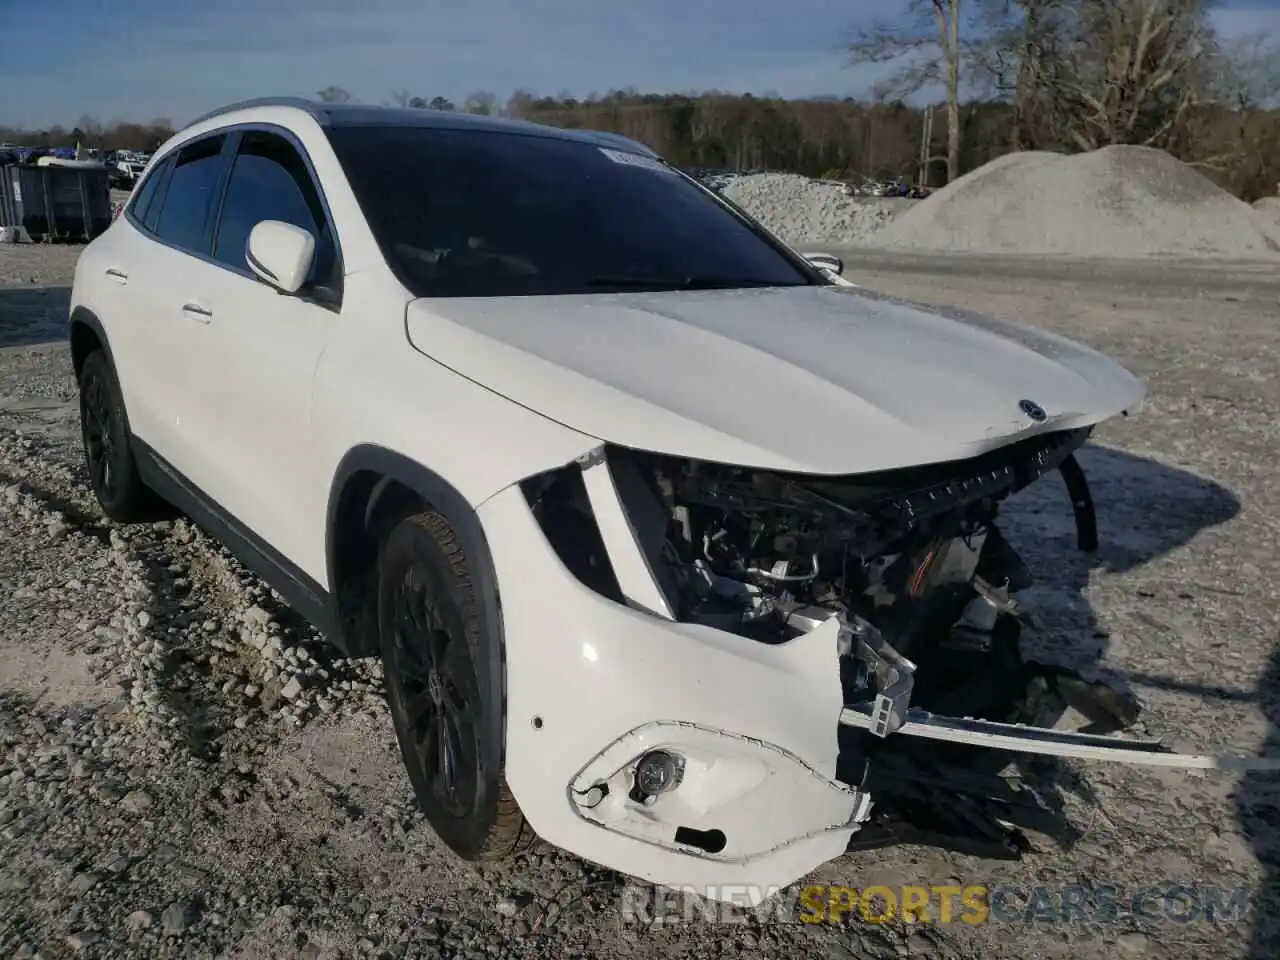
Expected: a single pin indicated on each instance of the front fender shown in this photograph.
(371, 460)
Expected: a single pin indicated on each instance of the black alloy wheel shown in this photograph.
(432, 685)
(109, 460)
(447, 722)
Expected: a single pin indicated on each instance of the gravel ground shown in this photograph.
(185, 771)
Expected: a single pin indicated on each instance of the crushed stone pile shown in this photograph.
(803, 212)
(1117, 202)
(1268, 207)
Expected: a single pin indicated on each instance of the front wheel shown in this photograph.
(448, 727)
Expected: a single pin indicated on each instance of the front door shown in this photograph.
(263, 346)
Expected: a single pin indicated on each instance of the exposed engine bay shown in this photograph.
(913, 565)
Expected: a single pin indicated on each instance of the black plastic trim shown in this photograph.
(442, 497)
(259, 265)
(576, 548)
(1081, 503)
(302, 593)
(84, 317)
(159, 171)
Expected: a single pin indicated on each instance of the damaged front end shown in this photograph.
(912, 568)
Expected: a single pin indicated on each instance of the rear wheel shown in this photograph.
(447, 722)
(104, 430)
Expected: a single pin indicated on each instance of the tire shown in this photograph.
(436, 669)
(109, 460)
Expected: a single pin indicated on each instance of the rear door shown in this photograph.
(168, 280)
(260, 347)
(117, 264)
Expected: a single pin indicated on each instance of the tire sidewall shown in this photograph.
(97, 365)
(449, 582)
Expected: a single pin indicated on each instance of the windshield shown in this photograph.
(480, 213)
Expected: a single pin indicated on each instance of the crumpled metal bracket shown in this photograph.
(894, 673)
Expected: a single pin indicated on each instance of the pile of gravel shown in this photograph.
(1269, 207)
(1117, 202)
(802, 212)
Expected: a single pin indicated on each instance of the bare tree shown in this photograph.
(1017, 61)
(481, 102)
(1083, 74)
(1250, 73)
(333, 95)
(1236, 137)
(91, 131)
(930, 48)
(520, 104)
(1135, 70)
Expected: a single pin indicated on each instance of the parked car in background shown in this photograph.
(715, 180)
(127, 168)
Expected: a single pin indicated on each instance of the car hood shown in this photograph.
(814, 379)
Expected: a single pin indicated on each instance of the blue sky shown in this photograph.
(141, 59)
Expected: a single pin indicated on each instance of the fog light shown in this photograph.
(657, 772)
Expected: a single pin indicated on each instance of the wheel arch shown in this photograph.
(373, 487)
(85, 334)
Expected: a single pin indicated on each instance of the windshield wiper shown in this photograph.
(676, 283)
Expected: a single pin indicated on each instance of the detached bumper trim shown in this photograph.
(1017, 738)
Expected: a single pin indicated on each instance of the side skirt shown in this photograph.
(302, 593)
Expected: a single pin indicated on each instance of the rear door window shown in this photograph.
(193, 184)
(146, 195)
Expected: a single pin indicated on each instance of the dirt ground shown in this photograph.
(163, 794)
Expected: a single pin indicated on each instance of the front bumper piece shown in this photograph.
(594, 686)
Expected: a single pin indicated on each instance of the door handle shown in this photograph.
(196, 312)
(119, 276)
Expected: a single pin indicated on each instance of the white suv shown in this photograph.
(664, 536)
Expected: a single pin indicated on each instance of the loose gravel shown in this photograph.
(186, 770)
(1117, 202)
(1269, 207)
(804, 212)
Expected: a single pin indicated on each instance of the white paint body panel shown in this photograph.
(258, 404)
(811, 379)
(593, 671)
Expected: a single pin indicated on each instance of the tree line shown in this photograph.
(1064, 75)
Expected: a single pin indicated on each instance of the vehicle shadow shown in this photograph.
(33, 315)
(1257, 800)
(1145, 509)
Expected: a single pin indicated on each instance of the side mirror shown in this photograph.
(280, 254)
(826, 261)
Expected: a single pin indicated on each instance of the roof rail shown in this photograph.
(316, 110)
